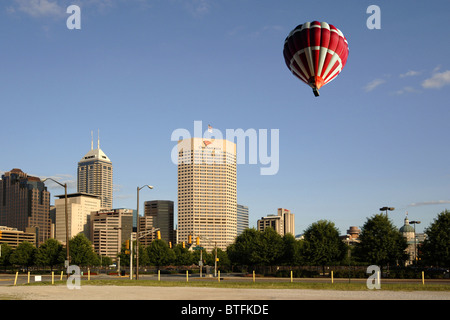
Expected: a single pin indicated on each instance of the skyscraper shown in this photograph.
(242, 218)
(79, 208)
(25, 204)
(289, 220)
(207, 191)
(109, 229)
(158, 214)
(95, 175)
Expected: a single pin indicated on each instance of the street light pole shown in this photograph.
(415, 238)
(67, 225)
(119, 247)
(133, 235)
(66, 218)
(387, 209)
(215, 260)
(137, 227)
(215, 249)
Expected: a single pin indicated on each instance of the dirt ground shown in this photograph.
(86, 292)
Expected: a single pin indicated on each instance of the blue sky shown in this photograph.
(137, 70)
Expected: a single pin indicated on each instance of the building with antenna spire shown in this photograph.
(95, 175)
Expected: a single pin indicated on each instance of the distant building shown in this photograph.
(14, 237)
(352, 236)
(242, 218)
(271, 221)
(409, 234)
(353, 232)
(283, 223)
(25, 204)
(95, 176)
(289, 220)
(52, 214)
(109, 229)
(79, 208)
(158, 214)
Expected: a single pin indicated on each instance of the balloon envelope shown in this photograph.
(315, 52)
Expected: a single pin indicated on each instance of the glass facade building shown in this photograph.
(25, 204)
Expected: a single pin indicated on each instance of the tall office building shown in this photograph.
(25, 204)
(288, 220)
(242, 218)
(282, 223)
(271, 221)
(95, 175)
(158, 214)
(207, 191)
(79, 208)
(109, 230)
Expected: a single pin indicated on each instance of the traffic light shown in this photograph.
(170, 244)
(158, 235)
(189, 239)
(127, 244)
(197, 241)
(184, 246)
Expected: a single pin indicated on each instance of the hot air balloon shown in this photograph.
(315, 52)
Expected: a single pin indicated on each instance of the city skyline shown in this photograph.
(138, 71)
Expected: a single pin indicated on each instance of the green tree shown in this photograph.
(125, 254)
(81, 251)
(159, 253)
(435, 248)
(106, 261)
(206, 257)
(291, 250)
(5, 254)
(50, 253)
(183, 257)
(271, 247)
(242, 251)
(143, 255)
(23, 255)
(252, 248)
(381, 243)
(322, 244)
(224, 263)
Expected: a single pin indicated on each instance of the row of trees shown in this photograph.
(53, 254)
(380, 243)
(50, 254)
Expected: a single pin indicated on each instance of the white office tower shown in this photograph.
(207, 192)
(95, 176)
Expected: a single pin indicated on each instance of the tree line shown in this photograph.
(52, 254)
(380, 243)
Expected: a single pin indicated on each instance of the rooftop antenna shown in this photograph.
(92, 140)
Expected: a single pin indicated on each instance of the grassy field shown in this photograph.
(257, 285)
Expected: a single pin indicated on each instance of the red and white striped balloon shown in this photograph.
(315, 52)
